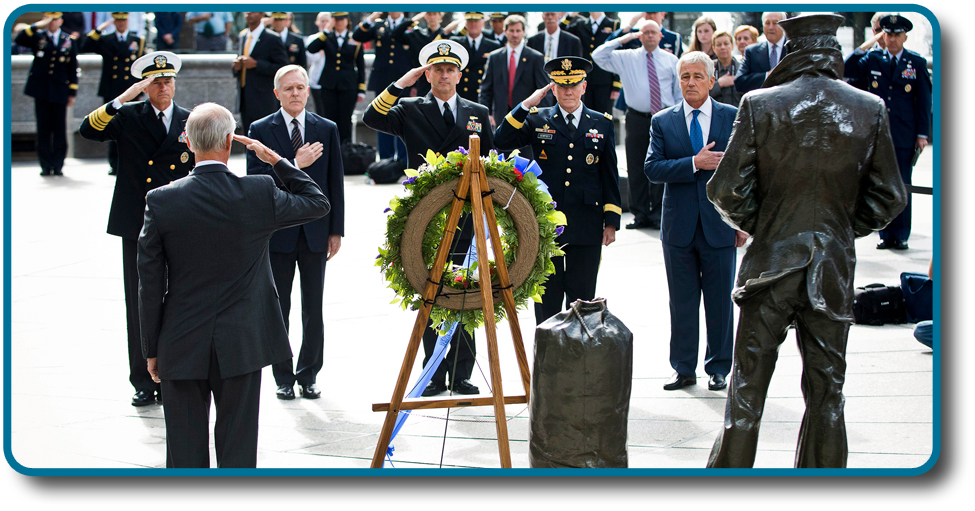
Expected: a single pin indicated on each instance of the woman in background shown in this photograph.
(702, 34)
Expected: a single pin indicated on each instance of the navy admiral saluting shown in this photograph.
(440, 122)
(152, 152)
(900, 77)
(118, 49)
(576, 149)
(53, 83)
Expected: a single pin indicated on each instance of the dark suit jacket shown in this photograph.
(117, 59)
(754, 65)
(62, 59)
(258, 91)
(392, 53)
(205, 281)
(805, 189)
(529, 77)
(345, 67)
(326, 171)
(669, 161)
(580, 169)
(473, 75)
(419, 122)
(569, 45)
(147, 157)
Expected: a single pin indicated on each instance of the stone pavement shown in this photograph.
(70, 395)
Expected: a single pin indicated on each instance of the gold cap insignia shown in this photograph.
(566, 64)
(160, 61)
(444, 49)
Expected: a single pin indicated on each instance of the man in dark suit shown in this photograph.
(900, 77)
(501, 90)
(440, 122)
(118, 49)
(391, 61)
(168, 25)
(478, 46)
(576, 149)
(261, 54)
(553, 41)
(343, 80)
(804, 186)
(152, 152)
(311, 143)
(293, 43)
(602, 86)
(53, 91)
(759, 59)
(210, 319)
(686, 144)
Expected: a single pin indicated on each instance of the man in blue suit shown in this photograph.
(310, 143)
(686, 144)
(762, 57)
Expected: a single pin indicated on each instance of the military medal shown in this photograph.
(907, 88)
(473, 125)
(876, 85)
(185, 157)
(542, 156)
(182, 138)
(590, 159)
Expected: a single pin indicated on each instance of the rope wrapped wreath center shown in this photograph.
(411, 247)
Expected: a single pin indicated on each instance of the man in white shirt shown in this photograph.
(643, 99)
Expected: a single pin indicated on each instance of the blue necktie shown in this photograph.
(697, 137)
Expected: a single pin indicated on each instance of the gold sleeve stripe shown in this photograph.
(362, 87)
(378, 106)
(612, 208)
(73, 86)
(94, 35)
(29, 31)
(514, 122)
(321, 36)
(618, 85)
(388, 99)
(100, 118)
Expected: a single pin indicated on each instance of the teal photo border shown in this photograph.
(492, 472)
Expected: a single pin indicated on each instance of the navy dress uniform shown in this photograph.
(579, 166)
(497, 17)
(343, 77)
(600, 83)
(52, 82)
(391, 62)
(473, 74)
(149, 157)
(421, 123)
(905, 86)
(418, 37)
(118, 52)
(294, 44)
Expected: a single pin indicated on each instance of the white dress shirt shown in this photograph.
(594, 23)
(575, 115)
(517, 50)
(167, 114)
(704, 118)
(778, 49)
(254, 34)
(453, 105)
(475, 42)
(552, 39)
(301, 128)
(631, 66)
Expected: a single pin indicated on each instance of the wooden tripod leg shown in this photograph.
(507, 293)
(490, 325)
(429, 294)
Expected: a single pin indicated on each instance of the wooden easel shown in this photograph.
(472, 182)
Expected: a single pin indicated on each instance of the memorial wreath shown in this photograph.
(528, 224)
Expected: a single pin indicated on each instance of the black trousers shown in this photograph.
(311, 274)
(186, 405)
(762, 327)
(597, 98)
(646, 199)
(900, 227)
(52, 141)
(316, 94)
(574, 279)
(339, 106)
(138, 372)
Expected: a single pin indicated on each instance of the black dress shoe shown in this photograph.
(286, 392)
(46, 172)
(57, 172)
(112, 172)
(434, 388)
(144, 397)
(466, 388)
(639, 225)
(679, 381)
(717, 382)
(310, 391)
(899, 245)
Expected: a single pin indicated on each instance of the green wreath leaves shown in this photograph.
(436, 171)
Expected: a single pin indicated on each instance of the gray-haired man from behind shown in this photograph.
(204, 252)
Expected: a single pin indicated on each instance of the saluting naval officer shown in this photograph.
(53, 83)
(900, 77)
(441, 121)
(478, 46)
(576, 149)
(119, 49)
(152, 152)
(343, 80)
(391, 62)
